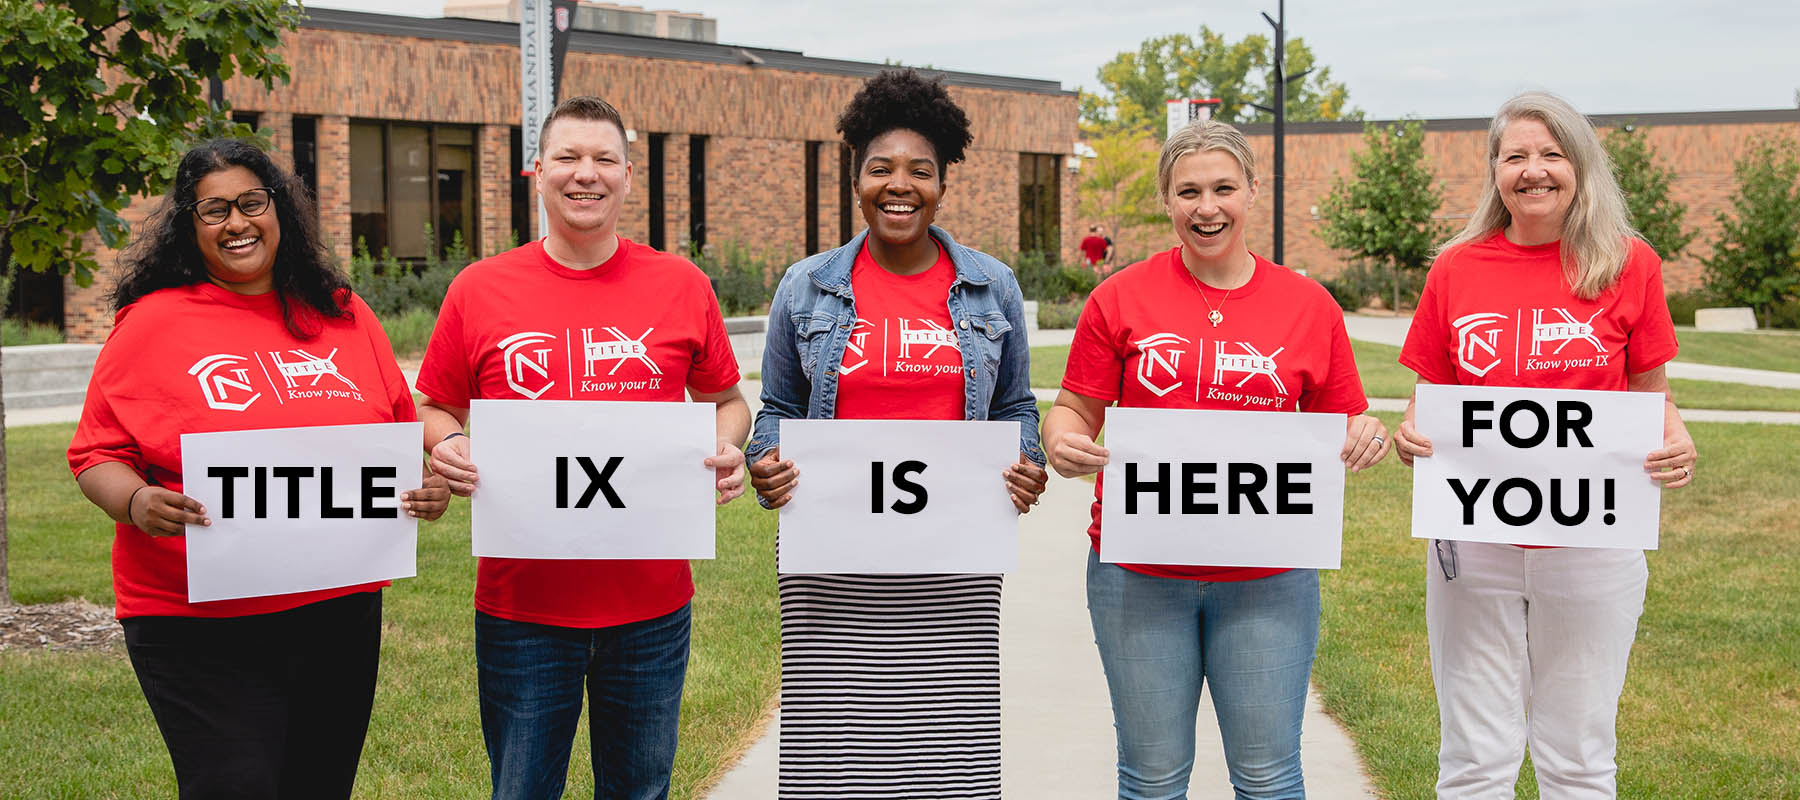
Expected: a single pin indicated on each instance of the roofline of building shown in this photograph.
(507, 33)
(1651, 120)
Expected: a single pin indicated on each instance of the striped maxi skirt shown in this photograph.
(890, 687)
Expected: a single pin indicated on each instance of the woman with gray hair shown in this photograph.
(1164, 630)
(1529, 645)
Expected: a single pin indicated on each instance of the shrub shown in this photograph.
(1044, 279)
(410, 330)
(15, 332)
(1058, 313)
(392, 287)
(1682, 305)
(744, 280)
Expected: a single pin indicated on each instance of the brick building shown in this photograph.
(1702, 149)
(397, 123)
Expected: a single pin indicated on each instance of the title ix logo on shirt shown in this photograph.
(1565, 331)
(620, 349)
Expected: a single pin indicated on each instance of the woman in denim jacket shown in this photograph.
(892, 682)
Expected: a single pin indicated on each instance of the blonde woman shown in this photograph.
(1165, 630)
(1529, 645)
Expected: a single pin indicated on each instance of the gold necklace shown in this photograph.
(1215, 315)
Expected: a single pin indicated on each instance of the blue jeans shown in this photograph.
(531, 679)
(1161, 638)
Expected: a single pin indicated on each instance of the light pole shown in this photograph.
(1279, 23)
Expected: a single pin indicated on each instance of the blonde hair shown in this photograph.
(1596, 231)
(1203, 136)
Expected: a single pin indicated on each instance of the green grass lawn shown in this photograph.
(75, 724)
(1711, 699)
(1776, 350)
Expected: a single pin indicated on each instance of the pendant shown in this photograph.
(1216, 318)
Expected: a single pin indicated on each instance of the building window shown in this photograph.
(846, 194)
(523, 204)
(412, 187)
(306, 153)
(812, 196)
(1040, 207)
(656, 173)
(697, 192)
(250, 118)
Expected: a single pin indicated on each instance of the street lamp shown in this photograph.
(1279, 23)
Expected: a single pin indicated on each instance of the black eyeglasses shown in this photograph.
(214, 210)
(1446, 553)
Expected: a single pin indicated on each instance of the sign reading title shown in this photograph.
(299, 509)
(1555, 467)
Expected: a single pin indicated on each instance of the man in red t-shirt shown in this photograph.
(1094, 247)
(546, 628)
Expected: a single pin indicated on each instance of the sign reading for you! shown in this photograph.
(574, 479)
(298, 509)
(1222, 488)
(899, 496)
(1537, 466)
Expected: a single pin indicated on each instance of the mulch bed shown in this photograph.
(69, 625)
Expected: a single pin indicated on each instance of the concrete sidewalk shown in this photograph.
(1056, 720)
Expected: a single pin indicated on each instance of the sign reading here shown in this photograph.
(1554, 467)
(1223, 488)
(899, 496)
(575, 479)
(299, 509)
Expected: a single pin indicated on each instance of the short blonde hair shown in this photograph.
(1596, 232)
(1203, 136)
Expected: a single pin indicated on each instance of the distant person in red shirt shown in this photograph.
(260, 696)
(1152, 336)
(1529, 645)
(1094, 247)
(546, 629)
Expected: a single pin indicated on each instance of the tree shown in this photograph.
(1136, 84)
(1646, 188)
(98, 100)
(1756, 260)
(1118, 185)
(1382, 212)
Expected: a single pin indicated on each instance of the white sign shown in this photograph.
(579, 479)
(1537, 466)
(298, 509)
(899, 496)
(1223, 488)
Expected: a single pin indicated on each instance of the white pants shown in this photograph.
(1530, 647)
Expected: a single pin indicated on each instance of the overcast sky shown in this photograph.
(1429, 58)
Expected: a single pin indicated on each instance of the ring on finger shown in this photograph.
(1687, 473)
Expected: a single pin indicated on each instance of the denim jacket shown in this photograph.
(813, 313)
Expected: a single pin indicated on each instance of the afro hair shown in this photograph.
(905, 99)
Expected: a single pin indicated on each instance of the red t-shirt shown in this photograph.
(902, 360)
(198, 359)
(1144, 341)
(1495, 313)
(1094, 247)
(643, 326)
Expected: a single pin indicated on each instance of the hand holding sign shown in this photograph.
(450, 458)
(774, 479)
(728, 466)
(1025, 482)
(160, 512)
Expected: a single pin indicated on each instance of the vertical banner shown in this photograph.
(578, 479)
(562, 21)
(899, 496)
(1223, 488)
(1552, 467)
(298, 509)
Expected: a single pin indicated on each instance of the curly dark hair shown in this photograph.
(905, 99)
(165, 253)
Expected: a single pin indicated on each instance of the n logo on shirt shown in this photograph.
(223, 383)
(1158, 356)
(857, 347)
(1478, 341)
(528, 365)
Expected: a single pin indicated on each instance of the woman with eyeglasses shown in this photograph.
(261, 697)
(1529, 645)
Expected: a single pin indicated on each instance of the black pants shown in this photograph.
(268, 706)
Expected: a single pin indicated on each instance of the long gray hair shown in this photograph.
(1596, 231)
